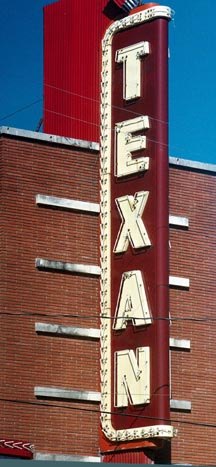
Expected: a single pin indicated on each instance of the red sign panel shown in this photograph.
(134, 230)
(72, 36)
(15, 448)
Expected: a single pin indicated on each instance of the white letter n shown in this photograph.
(132, 377)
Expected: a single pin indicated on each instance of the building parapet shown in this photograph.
(94, 146)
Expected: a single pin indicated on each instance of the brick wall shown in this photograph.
(29, 359)
(193, 255)
(30, 295)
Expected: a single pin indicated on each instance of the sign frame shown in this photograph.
(157, 430)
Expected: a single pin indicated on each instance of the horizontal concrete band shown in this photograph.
(48, 138)
(84, 206)
(188, 164)
(91, 396)
(180, 405)
(65, 203)
(67, 330)
(58, 393)
(94, 270)
(43, 456)
(67, 267)
(182, 344)
(175, 281)
(90, 333)
(77, 143)
(178, 221)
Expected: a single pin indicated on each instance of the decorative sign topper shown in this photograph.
(134, 229)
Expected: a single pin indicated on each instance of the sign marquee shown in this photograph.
(134, 229)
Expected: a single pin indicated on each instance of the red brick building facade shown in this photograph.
(50, 390)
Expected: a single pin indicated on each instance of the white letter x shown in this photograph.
(132, 228)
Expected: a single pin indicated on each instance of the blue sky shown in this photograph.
(192, 72)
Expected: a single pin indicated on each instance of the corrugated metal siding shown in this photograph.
(128, 457)
(72, 42)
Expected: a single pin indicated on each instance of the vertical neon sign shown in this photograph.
(134, 229)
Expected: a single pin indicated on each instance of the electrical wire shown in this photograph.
(109, 105)
(112, 106)
(99, 412)
(95, 124)
(20, 110)
(115, 107)
(87, 121)
(206, 319)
